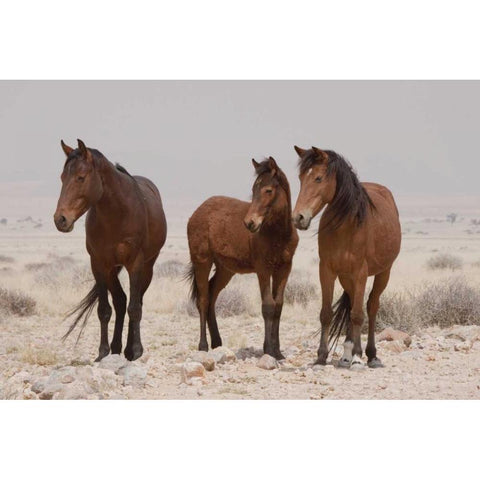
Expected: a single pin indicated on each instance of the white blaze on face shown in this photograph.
(309, 172)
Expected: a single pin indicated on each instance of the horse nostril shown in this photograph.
(62, 220)
(300, 217)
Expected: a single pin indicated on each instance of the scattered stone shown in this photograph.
(391, 335)
(357, 367)
(267, 362)
(223, 355)
(205, 358)
(191, 370)
(112, 362)
(74, 391)
(464, 346)
(292, 351)
(39, 385)
(395, 346)
(133, 374)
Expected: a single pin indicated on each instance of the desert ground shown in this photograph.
(433, 297)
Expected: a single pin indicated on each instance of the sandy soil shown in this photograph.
(53, 269)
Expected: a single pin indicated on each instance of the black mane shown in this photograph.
(97, 155)
(351, 198)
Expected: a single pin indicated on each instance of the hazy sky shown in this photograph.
(196, 138)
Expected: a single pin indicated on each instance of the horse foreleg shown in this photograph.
(279, 282)
(104, 310)
(359, 284)
(379, 285)
(140, 275)
(268, 311)
(327, 282)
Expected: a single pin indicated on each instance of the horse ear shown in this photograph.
(67, 150)
(255, 164)
(300, 151)
(273, 165)
(84, 151)
(320, 154)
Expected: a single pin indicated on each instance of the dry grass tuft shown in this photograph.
(170, 269)
(299, 291)
(38, 356)
(6, 259)
(16, 303)
(447, 303)
(443, 261)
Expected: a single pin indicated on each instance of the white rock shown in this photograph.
(267, 362)
(191, 370)
(205, 358)
(112, 362)
(223, 355)
(133, 374)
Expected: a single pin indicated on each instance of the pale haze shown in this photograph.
(195, 139)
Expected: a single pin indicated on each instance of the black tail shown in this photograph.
(341, 316)
(190, 277)
(82, 310)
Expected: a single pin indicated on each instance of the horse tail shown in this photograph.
(82, 310)
(190, 277)
(341, 316)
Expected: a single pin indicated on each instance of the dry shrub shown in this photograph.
(443, 261)
(16, 303)
(6, 259)
(170, 269)
(299, 291)
(58, 274)
(451, 302)
(36, 266)
(38, 356)
(230, 302)
(396, 311)
(476, 264)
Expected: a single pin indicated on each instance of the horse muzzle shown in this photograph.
(63, 224)
(302, 220)
(252, 226)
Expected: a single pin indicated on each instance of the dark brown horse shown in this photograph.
(238, 237)
(359, 236)
(125, 227)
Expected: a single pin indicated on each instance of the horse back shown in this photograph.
(216, 232)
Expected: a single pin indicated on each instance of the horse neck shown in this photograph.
(115, 186)
(280, 219)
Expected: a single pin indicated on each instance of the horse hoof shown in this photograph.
(357, 367)
(375, 363)
(102, 354)
(132, 354)
(279, 356)
(344, 363)
(320, 361)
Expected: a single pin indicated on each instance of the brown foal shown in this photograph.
(238, 237)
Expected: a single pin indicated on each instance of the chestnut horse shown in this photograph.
(359, 236)
(125, 227)
(238, 237)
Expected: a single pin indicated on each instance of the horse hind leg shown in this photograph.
(379, 285)
(216, 284)
(201, 272)
(120, 305)
(104, 311)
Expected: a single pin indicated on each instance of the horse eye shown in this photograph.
(269, 191)
(318, 179)
(80, 179)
